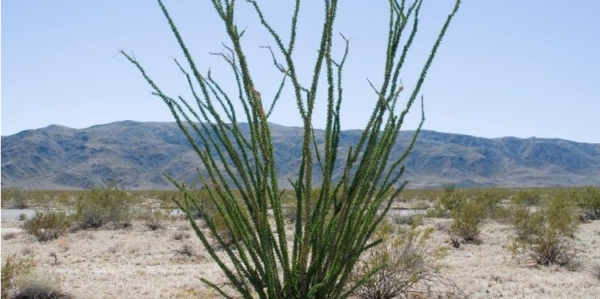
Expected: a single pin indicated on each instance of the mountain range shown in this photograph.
(136, 154)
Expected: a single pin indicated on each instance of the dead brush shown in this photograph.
(178, 236)
(155, 219)
(408, 267)
(38, 286)
(185, 250)
(9, 236)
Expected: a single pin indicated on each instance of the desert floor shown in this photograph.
(139, 263)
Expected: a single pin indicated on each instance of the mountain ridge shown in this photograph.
(135, 154)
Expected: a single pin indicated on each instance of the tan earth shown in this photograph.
(139, 263)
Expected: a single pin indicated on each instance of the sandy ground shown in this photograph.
(139, 263)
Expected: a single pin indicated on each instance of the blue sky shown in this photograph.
(506, 68)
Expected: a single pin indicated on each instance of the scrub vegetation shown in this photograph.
(549, 240)
(333, 227)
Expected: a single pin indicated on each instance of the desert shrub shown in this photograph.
(9, 236)
(490, 199)
(49, 225)
(407, 265)
(527, 198)
(544, 234)
(186, 250)
(589, 202)
(239, 165)
(421, 204)
(467, 220)
(14, 198)
(451, 198)
(104, 205)
(178, 236)
(155, 218)
(573, 264)
(38, 286)
(448, 201)
(22, 217)
(12, 268)
(214, 218)
(410, 219)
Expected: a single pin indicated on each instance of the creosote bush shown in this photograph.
(467, 216)
(102, 206)
(49, 225)
(527, 198)
(14, 198)
(589, 202)
(155, 219)
(490, 199)
(544, 234)
(14, 267)
(334, 225)
(448, 201)
(408, 266)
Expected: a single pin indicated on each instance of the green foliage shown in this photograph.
(104, 205)
(449, 200)
(467, 216)
(403, 264)
(589, 202)
(334, 224)
(543, 234)
(490, 199)
(49, 225)
(14, 198)
(527, 198)
(155, 219)
(12, 268)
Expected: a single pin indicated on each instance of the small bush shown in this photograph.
(450, 199)
(101, 206)
(467, 220)
(22, 217)
(543, 234)
(211, 216)
(490, 199)
(15, 198)
(178, 236)
(49, 225)
(589, 202)
(9, 236)
(39, 287)
(527, 197)
(407, 265)
(12, 268)
(290, 212)
(186, 250)
(400, 219)
(155, 219)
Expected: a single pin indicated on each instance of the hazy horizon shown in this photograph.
(510, 68)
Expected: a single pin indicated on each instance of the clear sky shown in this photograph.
(506, 68)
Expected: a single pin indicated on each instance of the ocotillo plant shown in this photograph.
(333, 226)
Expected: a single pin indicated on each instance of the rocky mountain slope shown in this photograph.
(136, 154)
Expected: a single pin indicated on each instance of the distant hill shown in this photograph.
(136, 154)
